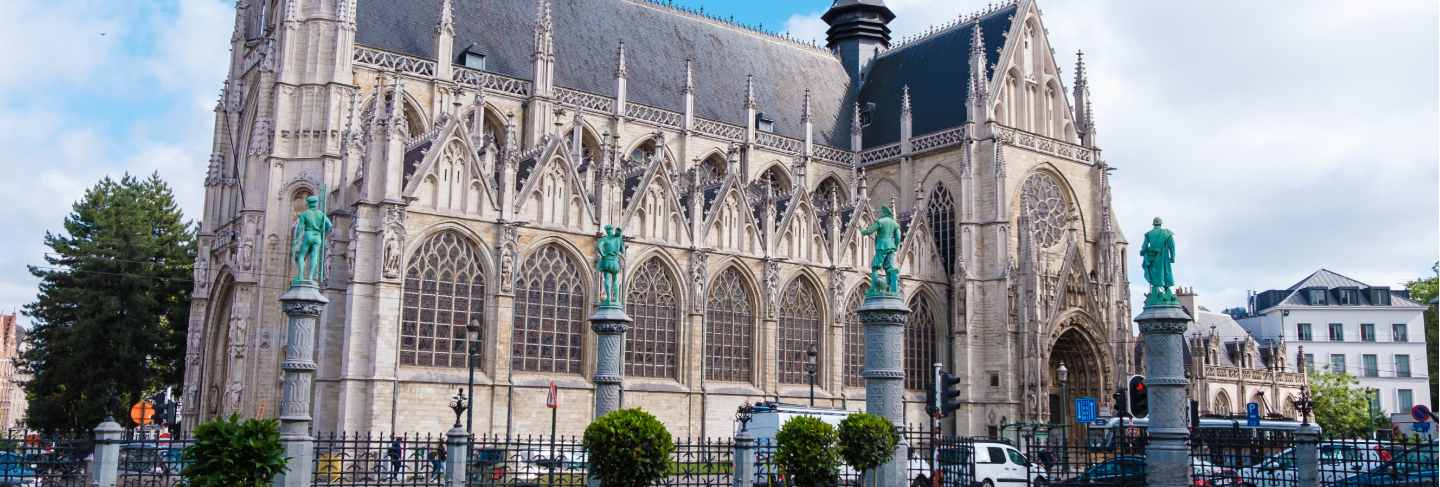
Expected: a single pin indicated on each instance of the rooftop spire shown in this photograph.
(979, 77)
(749, 91)
(805, 108)
(543, 28)
(858, 28)
(1084, 113)
(620, 61)
(447, 18)
(905, 99)
(689, 77)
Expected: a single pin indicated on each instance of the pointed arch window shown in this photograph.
(855, 339)
(919, 343)
(799, 329)
(444, 290)
(549, 320)
(941, 212)
(729, 329)
(1043, 201)
(652, 345)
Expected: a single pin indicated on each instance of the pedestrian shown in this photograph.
(437, 460)
(395, 453)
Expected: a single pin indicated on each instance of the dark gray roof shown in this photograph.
(657, 40)
(1330, 281)
(936, 70)
(1327, 279)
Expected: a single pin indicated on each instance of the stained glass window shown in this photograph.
(799, 329)
(444, 290)
(855, 339)
(941, 211)
(1045, 205)
(729, 328)
(549, 313)
(653, 342)
(919, 343)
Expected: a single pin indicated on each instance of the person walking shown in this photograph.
(437, 461)
(395, 453)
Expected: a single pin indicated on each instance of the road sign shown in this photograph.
(1085, 409)
(142, 412)
(1252, 414)
(1420, 412)
(552, 400)
(1098, 422)
(1420, 427)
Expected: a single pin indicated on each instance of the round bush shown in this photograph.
(867, 441)
(233, 453)
(806, 452)
(628, 448)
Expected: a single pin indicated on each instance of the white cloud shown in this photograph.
(1274, 137)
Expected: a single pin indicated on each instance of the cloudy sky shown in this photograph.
(1275, 137)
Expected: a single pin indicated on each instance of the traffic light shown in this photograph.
(943, 396)
(1138, 400)
(1122, 408)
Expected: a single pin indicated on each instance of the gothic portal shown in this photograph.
(470, 151)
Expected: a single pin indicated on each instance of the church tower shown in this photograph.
(859, 29)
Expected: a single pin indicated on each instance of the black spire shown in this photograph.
(858, 31)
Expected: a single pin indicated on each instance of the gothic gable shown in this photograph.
(1028, 92)
(655, 212)
(731, 224)
(553, 194)
(917, 255)
(802, 236)
(450, 178)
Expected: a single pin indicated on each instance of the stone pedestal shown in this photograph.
(884, 320)
(105, 468)
(457, 454)
(303, 304)
(1167, 456)
(609, 323)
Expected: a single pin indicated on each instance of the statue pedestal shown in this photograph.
(303, 305)
(884, 318)
(610, 323)
(1167, 456)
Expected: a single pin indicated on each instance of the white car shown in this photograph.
(1337, 461)
(994, 463)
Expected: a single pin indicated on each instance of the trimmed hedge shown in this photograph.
(233, 453)
(867, 440)
(806, 452)
(628, 448)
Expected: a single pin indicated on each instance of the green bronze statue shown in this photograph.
(311, 227)
(887, 241)
(610, 247)
(1158, 252)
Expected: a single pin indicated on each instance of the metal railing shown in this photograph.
(369, 459)
(152, 459)
(30, 459)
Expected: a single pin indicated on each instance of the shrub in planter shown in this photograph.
(628, 448)
(233, 453)
(866, 440)
(806, 452)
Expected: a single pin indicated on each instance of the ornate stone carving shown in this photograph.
(260, 135)
(236, 334)
(698, 276)
(772, 288)
(509, 238)
(392, 245)
(391, 259)
(1043, 203)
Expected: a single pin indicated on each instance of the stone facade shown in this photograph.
(469, 178)
(12, 379)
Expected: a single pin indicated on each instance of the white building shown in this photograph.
(1340, 324)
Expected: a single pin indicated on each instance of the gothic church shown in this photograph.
(470, 151)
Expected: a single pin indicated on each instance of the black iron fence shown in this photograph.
(30, 459)
(1404, 461)
(369, 459)
(152, 458)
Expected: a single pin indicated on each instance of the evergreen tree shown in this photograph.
(113, 305)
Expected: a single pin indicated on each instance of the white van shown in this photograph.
(994, 463)
(1337, 461)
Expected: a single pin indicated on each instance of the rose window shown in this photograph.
(1044, 204)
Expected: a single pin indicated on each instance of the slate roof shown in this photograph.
(936, 70)
(1329, 280)
(657, 40)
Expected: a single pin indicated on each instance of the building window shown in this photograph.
(729, 328)
(444, 291)
(549, 322)
(1302, 332)
(1317, 297)
(1404, 400)
(919, 343)
(1310, 363)
(941, 212)
(652, 344)
(1370, 364)
(1400, 332)
(855, 339)
(799, 330)
(1349, 296)
(1402, 366)
(1337, 332)
(1367, 332)
(1337, 363)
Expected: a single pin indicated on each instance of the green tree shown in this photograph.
(1342, 407)
(628, 448)
(866, 441)
(229, 452)
(1422, 291)
(806, 452)
(113, 304)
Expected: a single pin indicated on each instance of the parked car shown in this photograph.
(992, 462)
(1123, 471)
(15, 471)
(1338, 459)
(1414, 467)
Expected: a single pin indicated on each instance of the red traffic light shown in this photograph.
(1140, 386)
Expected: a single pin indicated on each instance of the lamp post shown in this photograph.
(811, 369)
(1064, 375)
(472, 335)
(458, 405)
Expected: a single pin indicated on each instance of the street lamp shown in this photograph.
(472, 335)
(811, 369)
(1064, 375)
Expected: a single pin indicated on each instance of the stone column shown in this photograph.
(1167, 456)
(303, 304)
(884, 319)
(1307, 456)
(457, 445)
(105, 469)
(609, 323)
(744, 459)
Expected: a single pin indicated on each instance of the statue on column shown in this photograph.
(1158, 254)
(887, 241)
(311, 228)
(610, 247)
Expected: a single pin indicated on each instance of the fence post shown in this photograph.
(1307, 456)
(457, 456)
(744, 459)
(105, 470)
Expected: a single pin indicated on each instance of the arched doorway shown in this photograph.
(1084, 377)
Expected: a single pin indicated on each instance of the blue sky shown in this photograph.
(1275, 137)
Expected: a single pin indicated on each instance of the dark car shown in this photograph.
(1128, 471)
(1415, 466)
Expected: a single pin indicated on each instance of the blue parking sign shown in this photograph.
(1085, 409)
(1252, 414)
